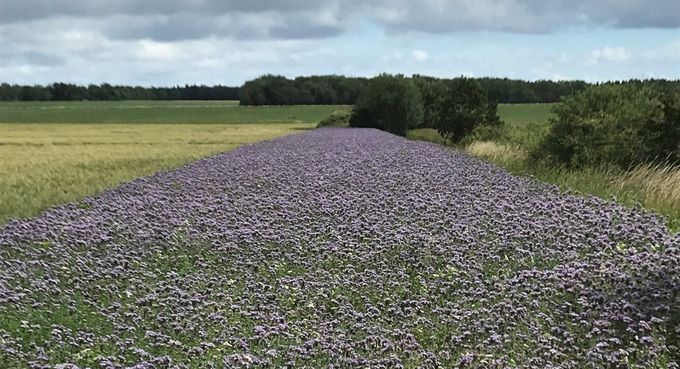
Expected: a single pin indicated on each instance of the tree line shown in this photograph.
(456, 108)
(107, 92)
(322, 90)
(313, 90)
(607, 124)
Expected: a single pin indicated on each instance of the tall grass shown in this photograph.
(502, 153)
(659, 183)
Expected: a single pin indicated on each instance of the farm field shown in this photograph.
(48, 164)
(207, 112)
(354, 248)
(181, 112)
(524, 114)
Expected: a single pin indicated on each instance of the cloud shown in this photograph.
(612, 54)
(669, 51)
(179, 20)
(420, 55)
(15, 57)
(19, 11)
(184, 19)
(228, 41)
(522, 16)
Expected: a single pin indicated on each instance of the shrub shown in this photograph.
(391, 103)
(464, 107)
(486, 132)
(339, 118)
(611, 124)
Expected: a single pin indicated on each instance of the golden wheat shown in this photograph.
(47, 164)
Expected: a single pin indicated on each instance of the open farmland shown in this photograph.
(48, 164)
(55, 152)
(355, 248)
(180, 112)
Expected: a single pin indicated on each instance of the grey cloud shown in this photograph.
(638, 13)
(302, 31)
(163, 29)
(8, 57)
(42, 59)
(524, 16)
(173, 20)
(306, 26)
(183, 27)
(23, 10)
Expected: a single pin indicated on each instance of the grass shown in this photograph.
(655, 187)
(523, 114)
(337, 119)
(496, 152)
(426, 134)
(48, 164)
(177, 112)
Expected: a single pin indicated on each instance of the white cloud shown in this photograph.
(670, 51)
(612, 54)
(166, 42)
(420, 56)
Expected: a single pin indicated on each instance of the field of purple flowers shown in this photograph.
(339, 248)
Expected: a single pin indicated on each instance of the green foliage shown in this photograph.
(511, 91)
(391, 103)
(107, 92)
(612, 124)
(315, 90)
(433, 93)
(268, 90)
(464, 107)
(663, 135)
(338, 118)
(486, 132)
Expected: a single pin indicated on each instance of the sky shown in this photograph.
(177, 42)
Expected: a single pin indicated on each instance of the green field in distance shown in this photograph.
(184, 112)
(522, 114)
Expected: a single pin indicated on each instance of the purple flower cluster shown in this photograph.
(339, 248)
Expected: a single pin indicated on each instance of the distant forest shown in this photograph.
(107, 92)
(315, 90)
(279, 90)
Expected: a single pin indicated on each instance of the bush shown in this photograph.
(612, 124)
(486, 132)
(391, 103)
(463, 108)
(339, 118)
